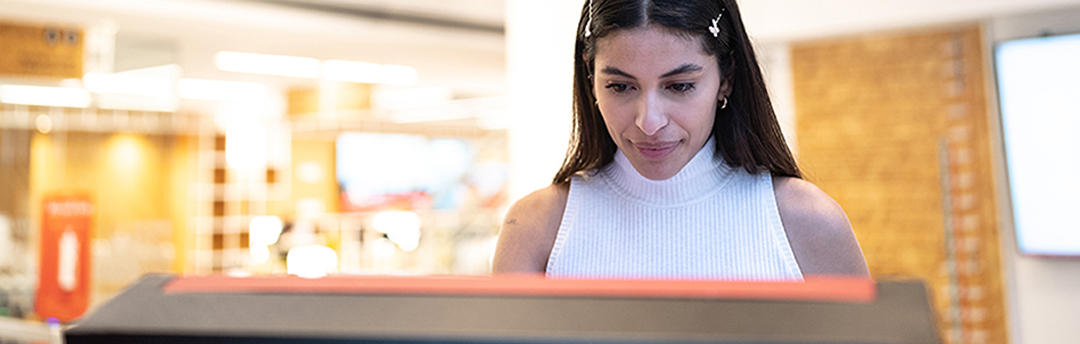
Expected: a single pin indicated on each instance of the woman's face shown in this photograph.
(657, 92)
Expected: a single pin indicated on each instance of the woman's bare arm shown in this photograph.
(818, 230)
(528, 231)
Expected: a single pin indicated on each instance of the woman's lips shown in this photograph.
(655, 150)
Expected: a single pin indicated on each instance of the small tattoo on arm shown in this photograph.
(511, 221)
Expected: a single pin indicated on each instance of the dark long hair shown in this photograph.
(746, 131)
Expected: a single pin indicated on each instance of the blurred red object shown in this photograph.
(64, 282)
(814, 288)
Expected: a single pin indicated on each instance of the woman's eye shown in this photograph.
(618, 88)
(681, 87)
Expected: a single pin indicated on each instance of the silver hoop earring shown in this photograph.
(723, 104)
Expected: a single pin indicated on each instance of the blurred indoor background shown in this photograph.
(255, 137)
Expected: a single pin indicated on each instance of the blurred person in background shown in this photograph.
(677, 168)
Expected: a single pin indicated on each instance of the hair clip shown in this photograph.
(715, 28)
(588, 25)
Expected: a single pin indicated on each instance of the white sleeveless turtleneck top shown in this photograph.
(709, 221)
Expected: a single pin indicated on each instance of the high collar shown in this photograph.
(702, 176)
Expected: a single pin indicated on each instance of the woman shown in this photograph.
(677, 168)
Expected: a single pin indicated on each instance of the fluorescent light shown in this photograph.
(162, 103)
(220, 90)
(369, 73)
(411, 98)
(361, 72)
(306, 67)
(44, 96)
(159, 81)
(399, 75)
(169, 71)
(301, 67)
(71, 83)
(128, 84)
(149, 89)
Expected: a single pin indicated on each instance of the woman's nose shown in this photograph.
(651, 116)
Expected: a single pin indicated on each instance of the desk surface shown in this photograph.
(145, 313)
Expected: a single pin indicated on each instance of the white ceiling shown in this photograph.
(487, 12)
(472, 62)
(792, 20)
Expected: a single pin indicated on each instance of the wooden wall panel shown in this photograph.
(878, 119)
(126, 176)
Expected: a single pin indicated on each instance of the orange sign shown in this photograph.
(46, 51)
(64, 281)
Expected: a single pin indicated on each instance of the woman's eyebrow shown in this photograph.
(615, 71)
(686, 68)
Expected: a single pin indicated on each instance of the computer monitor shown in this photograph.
(1038, 81)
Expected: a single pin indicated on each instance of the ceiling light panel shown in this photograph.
(292, 66)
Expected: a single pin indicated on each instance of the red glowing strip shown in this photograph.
(840, 289)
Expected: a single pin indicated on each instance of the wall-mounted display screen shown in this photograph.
(414, 172)
(1039, 90)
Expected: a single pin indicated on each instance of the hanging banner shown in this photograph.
(64, 280)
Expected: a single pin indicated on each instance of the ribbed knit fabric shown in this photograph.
(709, 221)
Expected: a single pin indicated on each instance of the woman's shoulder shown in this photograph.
(529, 229)
(803, 200)
(549, 198)
(817, 229)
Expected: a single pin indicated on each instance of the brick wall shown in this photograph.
(894, 127)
